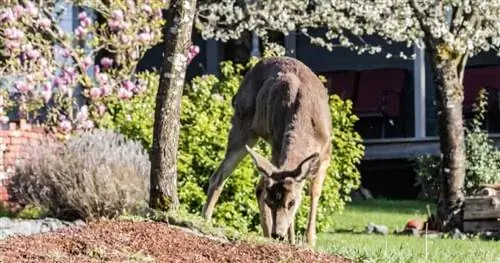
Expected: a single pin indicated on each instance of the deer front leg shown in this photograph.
(234, 154)
(315, 193)
(291, 232)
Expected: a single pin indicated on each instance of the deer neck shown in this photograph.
(294, 149)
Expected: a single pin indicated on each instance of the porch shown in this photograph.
(406, 148)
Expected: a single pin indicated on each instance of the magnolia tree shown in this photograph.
(450, 30)
(50, 75)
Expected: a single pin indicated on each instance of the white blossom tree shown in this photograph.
(451, 30)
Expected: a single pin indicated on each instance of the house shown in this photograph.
(394, 98)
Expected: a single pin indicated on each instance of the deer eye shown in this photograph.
(291, 204)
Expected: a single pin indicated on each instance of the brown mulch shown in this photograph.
(126, 241)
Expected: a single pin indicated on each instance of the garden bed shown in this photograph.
(127, 241)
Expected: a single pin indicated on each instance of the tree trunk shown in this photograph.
(448, 75)
(163, 180)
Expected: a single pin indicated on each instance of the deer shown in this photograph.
(283, 102)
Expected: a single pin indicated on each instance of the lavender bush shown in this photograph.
(94, 174)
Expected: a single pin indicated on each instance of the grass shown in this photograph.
(349, 240)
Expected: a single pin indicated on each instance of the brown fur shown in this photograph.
(283, 102)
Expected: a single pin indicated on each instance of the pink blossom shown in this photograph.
(4, 119)
(31, 79)
(192, 52)
(124, 94)
(88, 124)
(83, 113)
(147, 9)
(22, 86)
(158, 13)
(65, 126)
(80, 32)
(82, 15)
(46, 95)
(140, 88)
(117, 14)
(31, 8)
(43, 62)
(96, 70)
(106, 62)
(7, 16)
(19, 10)
(11, 45)
(105, 90)
(144, 37)
(101, 109)
(85, 22)
(114, 25)
(125, 39)
(13, 33)
(59, 81)
(33, 54)
(44, 23)
(102, 78)
(66, 53)
(128, 85)
(48, 73)
(86, 62)
(95, 93)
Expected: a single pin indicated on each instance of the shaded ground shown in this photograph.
(125, 241)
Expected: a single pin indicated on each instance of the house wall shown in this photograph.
(15, 142)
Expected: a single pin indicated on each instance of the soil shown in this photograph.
(127, 241)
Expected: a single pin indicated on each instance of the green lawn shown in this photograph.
(348, 238)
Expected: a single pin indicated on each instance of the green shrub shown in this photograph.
(205, 122)
(482, 163)
(94, 174)
(32, 211)
(4, 210)
(133, 117)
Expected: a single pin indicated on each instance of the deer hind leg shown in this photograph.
(238, 137)
(315, 193)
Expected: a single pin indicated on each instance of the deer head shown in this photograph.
(280, 192)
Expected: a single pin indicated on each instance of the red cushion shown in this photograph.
(373, 84)
(342, 83)
(477, 78)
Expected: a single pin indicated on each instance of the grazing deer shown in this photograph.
(283, 102)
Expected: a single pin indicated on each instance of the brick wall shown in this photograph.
(15, 140)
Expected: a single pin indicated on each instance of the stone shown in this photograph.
(10, 226)
(458, 235)
(367, 195)
(377, 229)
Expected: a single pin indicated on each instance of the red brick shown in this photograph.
(19, 140)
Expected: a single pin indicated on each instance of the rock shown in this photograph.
(458, 235)
(10, 226)
(377, 229)
(367, 195)
(491, 235)
(5, 222)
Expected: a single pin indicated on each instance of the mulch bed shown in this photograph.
(126, 241)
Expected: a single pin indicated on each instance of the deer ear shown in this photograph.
(307, 168)
(263, 165)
